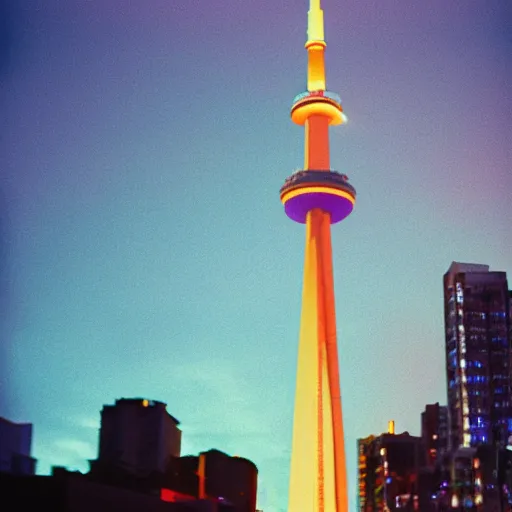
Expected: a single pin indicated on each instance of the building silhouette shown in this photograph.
(317, 197)
(15, 448)
(137, 435)
(434, 433)
(434, 478)
(215, 476)
(365, 484)
(235, 479)
(139, 469)
(478, 355)
(139, 450)
(389, 467)
(65, 491)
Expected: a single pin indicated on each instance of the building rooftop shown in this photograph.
(143, 402)
(457, 267)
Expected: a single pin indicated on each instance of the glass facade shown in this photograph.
(478, 350)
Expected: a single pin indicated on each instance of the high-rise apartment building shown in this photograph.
(478, 350)
(138, 436)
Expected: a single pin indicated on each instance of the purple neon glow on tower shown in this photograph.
(328, 191)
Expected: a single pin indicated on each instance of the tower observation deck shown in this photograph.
(317, 197)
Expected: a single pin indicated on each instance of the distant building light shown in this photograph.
(145, 403)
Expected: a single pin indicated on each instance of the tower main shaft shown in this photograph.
(317, 197)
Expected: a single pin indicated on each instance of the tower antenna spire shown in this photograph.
(315, 45)
(315, 22)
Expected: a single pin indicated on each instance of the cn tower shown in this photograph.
(318, 197)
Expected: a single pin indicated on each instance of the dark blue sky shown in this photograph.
(144, 248)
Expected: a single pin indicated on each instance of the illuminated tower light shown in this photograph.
(320, 102)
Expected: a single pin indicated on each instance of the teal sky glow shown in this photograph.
(145, 251)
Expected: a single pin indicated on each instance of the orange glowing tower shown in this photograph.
(317, 197)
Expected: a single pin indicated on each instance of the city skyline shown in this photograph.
(144, 251)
